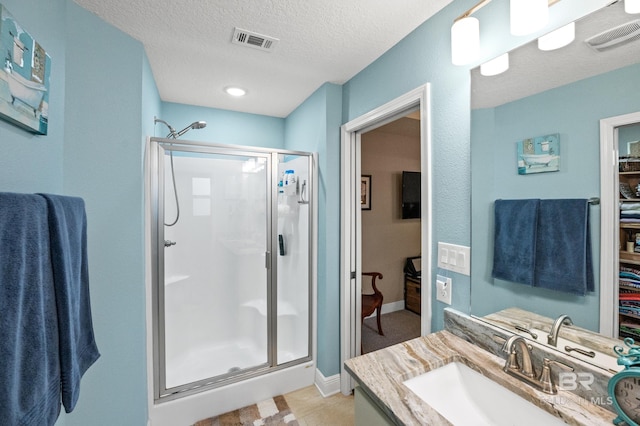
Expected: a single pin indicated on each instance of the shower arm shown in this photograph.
(172, 131)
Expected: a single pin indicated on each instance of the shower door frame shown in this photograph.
(158, 146)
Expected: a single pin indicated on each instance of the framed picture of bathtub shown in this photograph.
(24, 77)
(539, 155)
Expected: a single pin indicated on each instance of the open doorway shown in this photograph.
(390, 217)
(613, 145)
(351, 212)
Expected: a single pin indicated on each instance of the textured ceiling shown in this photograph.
(188, 43)
(533, 71)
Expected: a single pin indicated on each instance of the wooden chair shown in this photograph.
(372, 302)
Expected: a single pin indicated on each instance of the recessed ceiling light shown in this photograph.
(235, 91)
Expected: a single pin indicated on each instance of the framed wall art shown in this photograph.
(538, 155)
(24, 77)
(365, 192)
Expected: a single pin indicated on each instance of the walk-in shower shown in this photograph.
(232, 280)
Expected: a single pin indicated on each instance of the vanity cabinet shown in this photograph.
(367, 412)
(629, 265)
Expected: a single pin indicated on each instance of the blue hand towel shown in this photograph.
(514, 245)
(563, 258)
(29, 356)
(68, 234)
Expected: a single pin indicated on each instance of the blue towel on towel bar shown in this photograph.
(563, 258)
(78, 350)
(29, 356)
(514, 245)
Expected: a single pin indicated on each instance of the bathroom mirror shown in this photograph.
(563, 92)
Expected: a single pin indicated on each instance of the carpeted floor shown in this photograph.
(397, 327)
(272, 412)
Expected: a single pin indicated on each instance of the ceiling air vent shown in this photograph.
(255, 40)
(618, 36)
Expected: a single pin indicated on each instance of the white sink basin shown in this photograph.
(607, 361)
(465, 397)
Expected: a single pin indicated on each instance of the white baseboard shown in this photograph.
(389, 307)
(327, 386)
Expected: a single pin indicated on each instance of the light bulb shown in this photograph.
(465, 40)
(632, 6)
(235, 91)
(495, 66)
(558, 38)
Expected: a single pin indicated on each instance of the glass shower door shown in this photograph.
(293, 260)
(215, 320)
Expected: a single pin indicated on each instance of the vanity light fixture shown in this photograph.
(495, 66)
(527, 16)
(235, 91)
(632, 6)
(558, 38)
(465, 40)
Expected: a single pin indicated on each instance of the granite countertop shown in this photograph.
(381, 375)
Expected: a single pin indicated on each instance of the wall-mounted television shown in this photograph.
(410, 195)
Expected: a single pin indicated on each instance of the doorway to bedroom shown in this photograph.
(390, 218)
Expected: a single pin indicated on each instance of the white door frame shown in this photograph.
(350, 257)
(609, 220)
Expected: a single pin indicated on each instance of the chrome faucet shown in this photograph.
(552, 338)
(526, 373)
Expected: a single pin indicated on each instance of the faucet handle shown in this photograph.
(547, 362)
(546, 381)
(526, 330)
(512, 361)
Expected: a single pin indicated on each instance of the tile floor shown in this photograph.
(312, 409)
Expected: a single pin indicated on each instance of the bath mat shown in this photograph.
(272, 412)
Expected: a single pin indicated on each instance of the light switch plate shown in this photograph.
(454, 258)
(443, 289)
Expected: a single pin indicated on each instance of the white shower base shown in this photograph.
(213, 360)
(188, 410)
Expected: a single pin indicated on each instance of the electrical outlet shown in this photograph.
(443, 289)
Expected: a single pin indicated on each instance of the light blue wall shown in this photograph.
(31, 163)
(225, 127)
(94, 150)
(314, 126)
(103, 163)
(574, 112)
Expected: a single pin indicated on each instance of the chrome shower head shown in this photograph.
(194, 125)
(175, 135)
